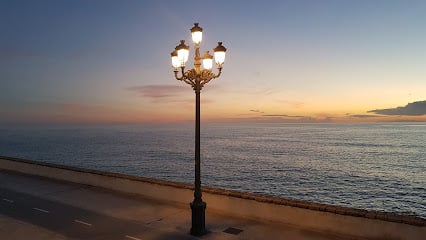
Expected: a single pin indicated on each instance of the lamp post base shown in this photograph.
(198, 218)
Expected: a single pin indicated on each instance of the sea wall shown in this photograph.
(340, 221)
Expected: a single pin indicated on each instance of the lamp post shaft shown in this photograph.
(197, 193)
(198, 207)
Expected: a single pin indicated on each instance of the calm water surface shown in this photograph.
(368, 166)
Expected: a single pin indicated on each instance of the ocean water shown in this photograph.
(368, 166)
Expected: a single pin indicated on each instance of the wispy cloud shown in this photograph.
(269, 115)
(285, 118)
(158, 91)
(363, 116)
(282, 115)
(411, 109)
(168, 94)
(280, 119)
(292, 103)
(263, 92)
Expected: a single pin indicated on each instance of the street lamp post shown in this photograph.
(197, 78)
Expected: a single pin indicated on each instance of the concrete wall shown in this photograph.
(317, 217)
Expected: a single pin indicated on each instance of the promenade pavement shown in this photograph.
(37, 208)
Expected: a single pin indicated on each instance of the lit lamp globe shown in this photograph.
(197, 34)
(182, 52)
(175, 60)
(219, 54)
(207, 60)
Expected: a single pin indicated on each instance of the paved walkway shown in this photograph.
(35, 208)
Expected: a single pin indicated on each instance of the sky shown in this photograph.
(103, 61)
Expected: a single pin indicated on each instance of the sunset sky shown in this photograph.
(287, 61)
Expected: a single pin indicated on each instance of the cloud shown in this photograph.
(256, 111)
(278, 119)
(263, 114)
(282, 115)
(411, 109)
(182, 95)
(362, 116)
(293, 104)
(158, 91)
(264, 92)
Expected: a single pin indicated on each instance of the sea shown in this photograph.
(374, 166)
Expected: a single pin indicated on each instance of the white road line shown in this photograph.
(7, 200)
(40, 210)
(82, 222)
(133, 238)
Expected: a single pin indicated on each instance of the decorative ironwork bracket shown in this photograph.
(197, 79)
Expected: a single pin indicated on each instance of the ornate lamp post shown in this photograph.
(197, 78)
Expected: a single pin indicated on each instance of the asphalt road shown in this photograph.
(43, 209)
(75, 222)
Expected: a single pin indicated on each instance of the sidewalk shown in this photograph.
(38, 209)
